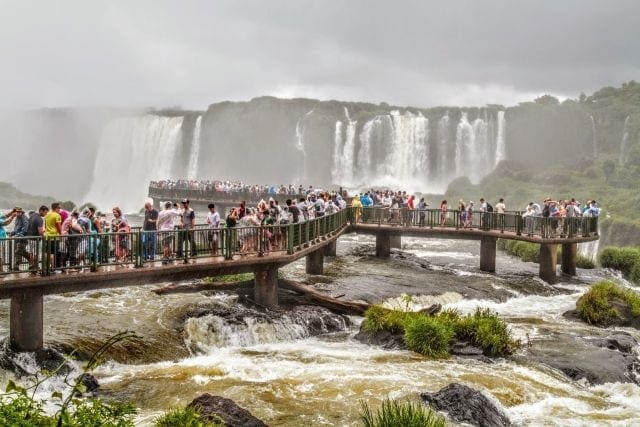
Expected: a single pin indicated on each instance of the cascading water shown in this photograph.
(348, 152)
(408, 158)
(132, 152)
(594, 140)
(500, 145)
(465, 138)
(194, 154)
(364, 154)
(624, 143)
(338, 162)
(444, 169)
(480, 165)
(300, 145)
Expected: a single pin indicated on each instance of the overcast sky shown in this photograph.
(419, 53)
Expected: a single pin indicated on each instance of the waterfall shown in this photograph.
(132, 152)
(443, 169)
(301, 147)
(480, 165)
(348, 152)
(594, 141)
(195, 150)
(364, 154)
(500, 145)
(464, 142)
(624, 143)
(337, 165)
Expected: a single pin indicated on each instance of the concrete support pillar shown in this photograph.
(383, 245)
(569, 256)
(548, 261)
(25, 321)
(330, 249)
(315, 262)
(396, 241)
(488, 254)
(266, 286)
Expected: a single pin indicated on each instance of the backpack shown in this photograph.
(318, 206)
(489, 207)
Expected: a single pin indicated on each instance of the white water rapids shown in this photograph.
(285, 377)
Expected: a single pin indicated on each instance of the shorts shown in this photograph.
(212, 235)
(167, 239)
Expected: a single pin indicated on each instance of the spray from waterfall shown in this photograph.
(464, 142)
(348, 152)
(194, 154)
(480, 165)
(337, 165)
(624, 143)
(500, 145)
(300, 145)
(132, 152)
(443, 168)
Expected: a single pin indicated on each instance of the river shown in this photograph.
(287, 377)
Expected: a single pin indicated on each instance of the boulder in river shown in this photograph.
(464, 404)
(213, 408)
(31, 362)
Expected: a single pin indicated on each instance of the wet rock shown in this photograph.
(598, 360)
(29, 363)
(625, 316)
(464, 404)
(89, 381)
(213, 408)
(466, 349)
(384, 339)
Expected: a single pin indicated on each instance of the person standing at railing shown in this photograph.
(149, 228)
(500, 210)
(165, 226)
(294, 212)
(444, 212)
(120, 226)
(35, 231)
(187, 225)
(357, 212)
(213, 233)
(20, 229)
(52, 232)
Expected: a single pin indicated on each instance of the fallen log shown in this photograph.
(324, 300)
(189, 288)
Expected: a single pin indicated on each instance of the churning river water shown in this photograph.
(287, 377)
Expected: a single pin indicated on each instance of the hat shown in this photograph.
(18, 209)
(185, 201)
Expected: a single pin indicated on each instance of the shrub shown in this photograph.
(429, 336)
(21, 411)
(585, 262)
(184, 417)
(396, 414)
(488, 331)
(622, 259)
(595, 306)
(378, 318)
(635, 273)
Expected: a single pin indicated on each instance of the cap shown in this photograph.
(18, 209)
(185, 201)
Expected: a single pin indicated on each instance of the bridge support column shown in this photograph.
(488, 254)
(548, 262)
(25, 321)
(396, 241)
(315, 262)
(569, 256)
(266, 286)
(330, 249)
(383, 245)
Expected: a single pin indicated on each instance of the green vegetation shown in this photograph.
(400, 414)
(530, 252)
(10, 196)
(432, 336)
(19, 406)
(624, 259)
(229, 278)
(184, 417)
(596, 306)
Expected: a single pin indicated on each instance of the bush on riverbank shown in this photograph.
(602, 303)
(400, 414)
(433, 336)
(625, 259)
(530, 252)
(184, 417)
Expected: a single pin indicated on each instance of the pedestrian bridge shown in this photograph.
(33, 268)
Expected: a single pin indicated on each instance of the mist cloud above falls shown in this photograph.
(150, 53)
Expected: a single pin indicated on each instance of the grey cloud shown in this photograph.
(406, 52)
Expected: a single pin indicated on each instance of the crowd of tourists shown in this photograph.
(65, 232)
(228, 187)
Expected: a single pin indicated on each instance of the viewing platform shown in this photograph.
(35, 267)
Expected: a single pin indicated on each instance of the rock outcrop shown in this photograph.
(215, 408)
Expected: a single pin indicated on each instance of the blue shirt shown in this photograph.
(3, 233)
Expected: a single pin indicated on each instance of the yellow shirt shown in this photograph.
(50, 220)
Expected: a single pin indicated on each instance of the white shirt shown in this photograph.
(500, 207)
(167, 218)
(213, 219)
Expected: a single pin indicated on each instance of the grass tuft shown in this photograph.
(596, 305)
(400, 414)
(184, 417)
(429, 336)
